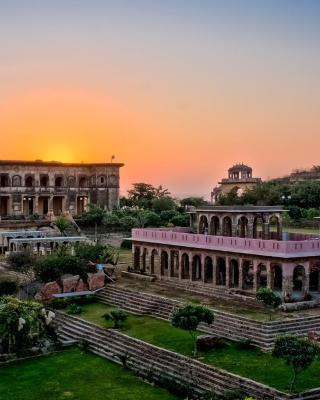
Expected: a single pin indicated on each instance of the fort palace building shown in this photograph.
(52, 188)
(240, 177)
(231, 249)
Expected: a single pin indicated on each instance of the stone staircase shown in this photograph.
(138, 303)
(208, 291)
(154, 362)
(231, 326)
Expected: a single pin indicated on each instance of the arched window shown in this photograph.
(58, 182)
(16, 180)
(83, 182)
(44, 180)
(29, 181)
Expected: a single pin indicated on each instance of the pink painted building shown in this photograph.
(233, 249)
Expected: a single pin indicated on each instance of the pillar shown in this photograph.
(202, 268)
(227, 272)
(190, 266)
(305, 289)
(266, 231)
(180, 264)
(250, 226)
(240, 261)
(255, 275)
(287, 279)
(36, 204)
(269, 275)
(214, 270)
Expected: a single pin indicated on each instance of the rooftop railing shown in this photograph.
(310, 247)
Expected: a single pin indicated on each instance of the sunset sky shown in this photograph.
(178, 90)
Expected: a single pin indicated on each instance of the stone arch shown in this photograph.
(136, 258)
(83, 181)
(196, 268)
(58, 181)
(215, 225)
(262, 280)
(208, 270)
(314, 278)
(258, 227)
(221, 271)
(185, 266)
(29, 181)
(154, 261)
(243, 223)
(174, 267)
(203, 224)
(227, 226)
(44, 180)
(102, 180)
(274, 226)
(276, 276)
(234, 273)
(16, 180)
(164, 263)
(247, 275)
(299, 278)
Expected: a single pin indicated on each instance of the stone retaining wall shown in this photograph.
(154, 361)
(261, 334)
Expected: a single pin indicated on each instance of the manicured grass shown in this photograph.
(72, 375)
(250, 363)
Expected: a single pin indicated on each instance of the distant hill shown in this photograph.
(299, 175)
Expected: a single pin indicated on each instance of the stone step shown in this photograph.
(149, 355)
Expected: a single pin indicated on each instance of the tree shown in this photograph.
(94, 216)
(163, 204)
(142, 195)
(22, 323)
(296, 352)
(270, 300)
(193, 201)
(117, 317)
(189, 318)
(62, 224)
(180, 220)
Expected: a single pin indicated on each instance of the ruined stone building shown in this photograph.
(53, 188)
(239, 177)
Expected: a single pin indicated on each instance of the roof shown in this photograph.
(240, 167)
(57, 163)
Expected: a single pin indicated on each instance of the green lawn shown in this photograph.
(253, 363)
(72, 375)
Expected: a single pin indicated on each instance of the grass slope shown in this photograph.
(251, 363)
(73, 375)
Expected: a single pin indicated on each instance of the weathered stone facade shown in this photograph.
(54, 188)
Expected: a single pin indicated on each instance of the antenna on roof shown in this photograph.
(112, 158)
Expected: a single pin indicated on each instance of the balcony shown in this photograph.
(274, 248)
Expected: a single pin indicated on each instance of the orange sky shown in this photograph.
(177, 98)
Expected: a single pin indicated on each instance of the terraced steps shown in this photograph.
(261, 334)
(153, 360)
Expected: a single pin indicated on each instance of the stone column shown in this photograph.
(269, 275)
(266, 230)
(202, 267)
(250, 226)
(214, 271)
(36, 204)
(287, 278)
(255, 275)
(305, 289)
(227, 272)
(180, 264)
(240, 261)
(190, 266)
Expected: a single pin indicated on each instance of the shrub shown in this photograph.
(59, 303)
(74, 309)
(8, 286)
(21, 261)
(270, 300)
(126, 244)
(245, 344)
(117, 317)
